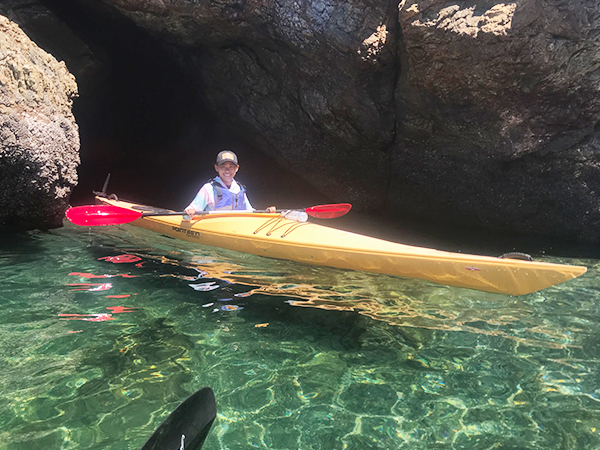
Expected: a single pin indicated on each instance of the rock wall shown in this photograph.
(309, 84)
(500, 106)
(473, 114)
(39, 140)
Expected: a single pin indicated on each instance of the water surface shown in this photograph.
(104, 332)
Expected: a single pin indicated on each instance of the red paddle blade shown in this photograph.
(328, 211)
(95, 215)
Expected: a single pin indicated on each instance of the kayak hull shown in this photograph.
(272, 236)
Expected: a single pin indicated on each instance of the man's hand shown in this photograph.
(272, 209)
(190, 211)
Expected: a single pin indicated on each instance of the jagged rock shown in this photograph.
(39, 140)
(473, 114)
(310, 85)
(53, 35)
(459, 113)
(500, 108)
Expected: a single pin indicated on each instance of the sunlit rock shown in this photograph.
(500, 105)
(39, 139)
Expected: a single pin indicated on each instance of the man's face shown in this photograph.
(227, 171)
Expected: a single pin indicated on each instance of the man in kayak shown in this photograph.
(222, 192)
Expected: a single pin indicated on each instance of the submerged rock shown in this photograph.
(39, 139)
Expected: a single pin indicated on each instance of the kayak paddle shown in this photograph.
(96, 215)
(187, 426)
(328, 211)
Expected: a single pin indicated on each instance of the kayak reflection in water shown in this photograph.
(222, 192)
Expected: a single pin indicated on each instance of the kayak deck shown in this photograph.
(273, 236)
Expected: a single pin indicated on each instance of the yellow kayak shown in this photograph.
(274, 236)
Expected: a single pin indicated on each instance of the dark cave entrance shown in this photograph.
(143, 120)
(138, 114)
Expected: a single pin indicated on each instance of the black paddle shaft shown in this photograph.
(203, 213)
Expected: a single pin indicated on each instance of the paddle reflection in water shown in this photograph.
(414, 305)
(408, 303)
(419, 308)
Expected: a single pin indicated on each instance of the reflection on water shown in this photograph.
(402, 302)
(104, 332)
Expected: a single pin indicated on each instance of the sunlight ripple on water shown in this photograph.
(104, 332)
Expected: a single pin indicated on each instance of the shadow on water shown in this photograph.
(23, 247)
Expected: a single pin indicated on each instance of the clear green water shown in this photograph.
(317, 358)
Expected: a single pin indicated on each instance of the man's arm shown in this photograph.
(204, 198)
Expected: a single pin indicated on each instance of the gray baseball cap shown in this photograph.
(227, 155)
